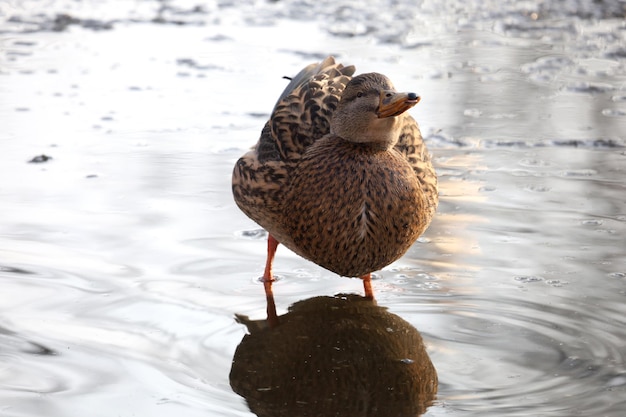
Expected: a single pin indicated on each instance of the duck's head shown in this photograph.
(368, 110)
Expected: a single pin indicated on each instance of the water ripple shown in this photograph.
(516, 354)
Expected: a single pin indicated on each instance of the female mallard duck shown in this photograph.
(340, 174)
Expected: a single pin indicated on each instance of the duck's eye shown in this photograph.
(359, 94)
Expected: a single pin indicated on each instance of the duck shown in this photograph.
(340, 174)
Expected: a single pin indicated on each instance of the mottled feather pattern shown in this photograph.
(300, 117)
(351, 208)
(411, 145)
(374, 205)
(304, 115)
(266, 148)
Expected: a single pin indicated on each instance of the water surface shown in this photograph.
(123, 259)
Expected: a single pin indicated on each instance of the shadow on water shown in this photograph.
(339, 356)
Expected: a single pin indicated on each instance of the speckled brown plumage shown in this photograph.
(345, 200)
(301, 116)
(371, 214)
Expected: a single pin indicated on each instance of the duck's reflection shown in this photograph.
(334, 356)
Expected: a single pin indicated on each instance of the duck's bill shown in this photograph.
(393, 103)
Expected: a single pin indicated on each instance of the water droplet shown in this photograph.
(590, 88)
(579, 173)
(472, 113)
(538, 188)
(528, 279)
(532, 162)
(432, 286)
(522, 173)
(613, 112)
(592, 222)
(253, 234)
(407, 361)
(425, 276)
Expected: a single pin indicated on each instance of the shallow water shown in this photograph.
(123, 259)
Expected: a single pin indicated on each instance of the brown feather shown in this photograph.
(351, 208)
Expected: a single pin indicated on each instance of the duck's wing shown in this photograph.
(412, 146)
(302, 113)
(300, 117)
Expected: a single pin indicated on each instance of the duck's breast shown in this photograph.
(353, 209)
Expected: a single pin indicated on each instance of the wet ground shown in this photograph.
(124, 260)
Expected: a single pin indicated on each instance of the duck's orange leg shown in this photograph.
(272, 244)
(367, 286)
(268, 278)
